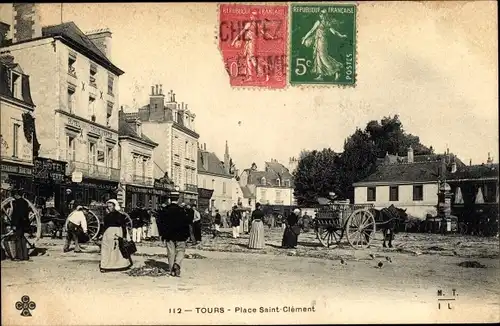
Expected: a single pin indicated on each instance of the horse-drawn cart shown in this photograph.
(335, 220)
(35, 229)
(95, 214)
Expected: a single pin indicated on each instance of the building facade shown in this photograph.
(76, 87)
(17, 135)
(410, 182)
(216, 175)
(171, 125)
(136, 173)
(272, 187)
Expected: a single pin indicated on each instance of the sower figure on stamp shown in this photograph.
(249, 34)
(176, 233)
(323, 63)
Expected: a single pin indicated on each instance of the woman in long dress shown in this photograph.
(323, 63)
(256, 240)
(112, 259)
(292, 230)
(153, 227)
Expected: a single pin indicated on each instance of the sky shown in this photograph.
(433, 64)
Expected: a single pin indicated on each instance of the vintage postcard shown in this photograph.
(249, 163)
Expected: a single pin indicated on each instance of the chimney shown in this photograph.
(410, 155)
(152, 90)
(4, 30)
(156, 104)
(204, 146)
(138, 127)
(157, 93)
(26, 22)
(102, 40)
(490, 159)
(470, 161)
(161, 89)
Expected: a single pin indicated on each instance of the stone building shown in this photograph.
(75, 86)
(171, 125)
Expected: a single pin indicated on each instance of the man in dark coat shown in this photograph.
(20, 224)
(175, 231)
(235, 221)
(137, 216)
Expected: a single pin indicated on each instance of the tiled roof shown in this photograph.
(247, 193)
(279, 169)
(409, 172)
(126, 130)
(475, 172)
(70, 32)
(209, 162)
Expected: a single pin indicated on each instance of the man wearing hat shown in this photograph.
(20, 223)
(235, 221)
(76, 223)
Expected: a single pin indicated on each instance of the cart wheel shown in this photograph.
(93, 225)
(462, 228)
(35, 219)
(360, 228)
(329, 236)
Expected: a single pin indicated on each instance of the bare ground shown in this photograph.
(69, 289)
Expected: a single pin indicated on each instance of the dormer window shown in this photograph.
(263, 181)
(93, 75)
(71, 64)
(15, 85)
(278, 182)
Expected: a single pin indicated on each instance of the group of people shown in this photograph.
(144, 224)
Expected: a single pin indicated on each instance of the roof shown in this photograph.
(393, 159)
(5, 89)
(404, 173)
(247, 193)
(208, 162)
(279, 169)
(126, 130)
(475, 172)
(76, 38)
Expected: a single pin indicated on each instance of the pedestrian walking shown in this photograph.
(20, 223)
(292, 230)
(153, 227)
(137, 216)
(175, 231)
(235, 221)
(217, 223)
(75, 226)
(256, 240)
(196, 224)
(115, 227)
(244, 222)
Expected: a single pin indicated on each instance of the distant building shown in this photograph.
(17, 134)
(137, 157)
(75, 86)
(172, 126)
(409, 182)
(273, 186)
(214, 174)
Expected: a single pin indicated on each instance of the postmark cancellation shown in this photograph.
(253, 40)
(323, 44)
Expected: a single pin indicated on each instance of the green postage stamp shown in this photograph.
(323, 44)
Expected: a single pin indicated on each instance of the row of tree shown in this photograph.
(321, 172)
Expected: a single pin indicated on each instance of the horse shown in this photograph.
(388, 220)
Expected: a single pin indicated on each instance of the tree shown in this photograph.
(317, 174)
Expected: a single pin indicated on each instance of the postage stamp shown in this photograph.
(323, 44)
(253, 43)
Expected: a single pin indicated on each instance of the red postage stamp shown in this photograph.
(253, 42)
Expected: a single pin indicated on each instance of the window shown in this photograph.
(186, 150)
(278, 195)
(110, 157)
(109, 113)
(144, 167)
(15, 141)
(15, 86)
(393, 193)
(186, 176)
(418, 192)
(111, 81)
(371, 194)
(92, 153)
(223, 187)
(100, 157)
(71, 99)
(70, 149)
(263, 181)
(71, 65)
(91, 108)
(263, 194)
(278, 182)
(93, 73)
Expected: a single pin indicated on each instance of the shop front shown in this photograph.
(151, 198)
(204, 196)
(16, 175)
(89, 191)
(48, 176)
(167, 187)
